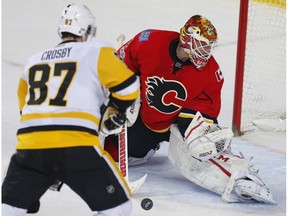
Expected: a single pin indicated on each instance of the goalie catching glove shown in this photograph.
(205, 141)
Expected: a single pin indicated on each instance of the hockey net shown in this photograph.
(260, 84)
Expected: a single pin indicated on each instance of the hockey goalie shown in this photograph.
(203, 155)
(181, 84)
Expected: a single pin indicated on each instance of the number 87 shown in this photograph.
(41, 84)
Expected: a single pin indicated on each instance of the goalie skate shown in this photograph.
(250, 190)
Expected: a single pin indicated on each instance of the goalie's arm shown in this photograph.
(208, 103)
(186, 116)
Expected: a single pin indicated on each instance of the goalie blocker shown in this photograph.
(221, 172)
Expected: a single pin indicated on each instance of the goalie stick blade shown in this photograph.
(136, 185)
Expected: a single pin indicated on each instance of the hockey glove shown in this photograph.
(115, 121)
(112, 121)
(206, 141)
(210, 145)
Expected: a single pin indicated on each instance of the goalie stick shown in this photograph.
(123, 148)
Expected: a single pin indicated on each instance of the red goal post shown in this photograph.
(260, 80)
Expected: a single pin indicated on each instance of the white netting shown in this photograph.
(264, 90)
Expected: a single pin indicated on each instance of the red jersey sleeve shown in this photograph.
(208, 103)
(129, 54)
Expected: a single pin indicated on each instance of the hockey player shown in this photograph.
(181, 92)
(60, 95)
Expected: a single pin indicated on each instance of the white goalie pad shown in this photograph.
(202, 173)
(224, 175)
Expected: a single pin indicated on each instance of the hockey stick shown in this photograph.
(123, 148)
(123, 161)
(120, 39)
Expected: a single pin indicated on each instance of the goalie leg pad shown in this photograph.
(203, 173)
(222, 175)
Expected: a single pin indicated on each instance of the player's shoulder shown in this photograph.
(213, 62)
(215, 70)
(150, 34)
(94, 45)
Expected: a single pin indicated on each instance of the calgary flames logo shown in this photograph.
(166, 96)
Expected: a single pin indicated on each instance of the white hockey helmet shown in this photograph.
(198, 37)
(77, 20)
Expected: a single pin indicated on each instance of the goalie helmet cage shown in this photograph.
(260, 88)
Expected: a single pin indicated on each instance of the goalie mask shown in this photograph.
(77, 20)
(198, 37)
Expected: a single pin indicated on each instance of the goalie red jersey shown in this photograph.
(169, 88)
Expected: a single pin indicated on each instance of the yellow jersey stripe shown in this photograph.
(56, 139)
(131, 96)
(116, 169)
(80, 115)
(22, 92)
(191, 116)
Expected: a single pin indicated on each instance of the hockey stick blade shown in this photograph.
(136, 185)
